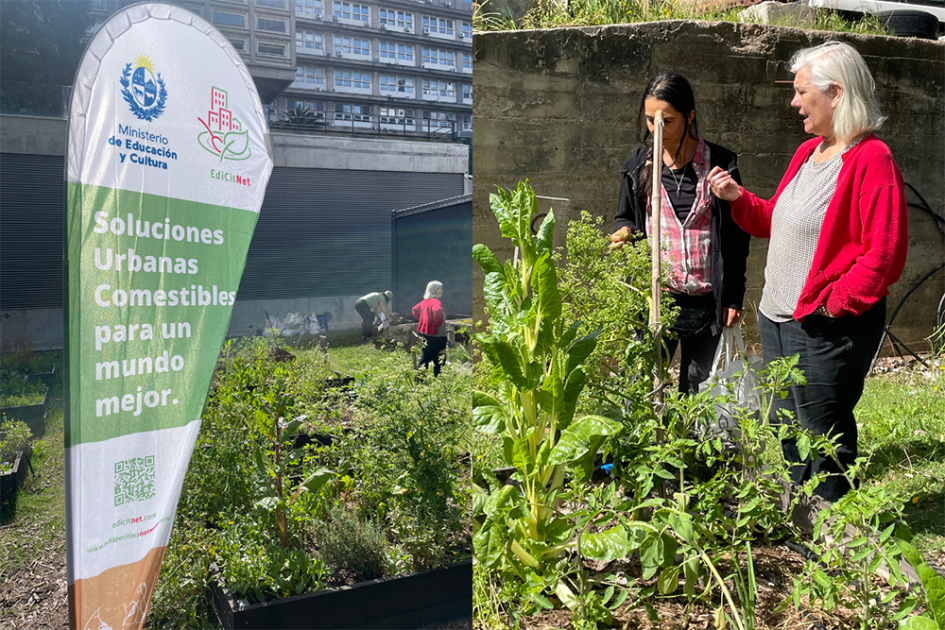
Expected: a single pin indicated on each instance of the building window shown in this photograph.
(437, 25)
(270, 48)
(467, 61)
(230, 19)
(467, 92)
(440, 119)
(467, 122)
(308, 8)
(271, 3)
(393, 116)
(395, 84)
(388, 50)
(467, 30)
(239, 44)
(308, 41)
(357, 113)
(405, 52)
(438, 88)
(310, 75)
(266, 24)
(350, 11)
(347, 78)
(396, 18)
(357, 45)
(442, 57)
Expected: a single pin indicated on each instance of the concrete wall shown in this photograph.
(560, 108)
(46, 136)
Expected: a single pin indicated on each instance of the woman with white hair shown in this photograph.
(430, 314)
(837, 228)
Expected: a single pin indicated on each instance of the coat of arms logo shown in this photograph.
(143, 89)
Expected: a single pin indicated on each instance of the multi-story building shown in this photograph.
(387, 67)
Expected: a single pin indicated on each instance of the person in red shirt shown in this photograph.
(837, 230)
(432, 327)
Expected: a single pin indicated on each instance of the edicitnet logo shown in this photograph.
(143, 89)
(224, 135)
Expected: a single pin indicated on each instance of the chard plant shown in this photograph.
(537, 376)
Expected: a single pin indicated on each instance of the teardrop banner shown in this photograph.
(168, 158)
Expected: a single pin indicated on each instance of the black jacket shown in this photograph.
(729, 242)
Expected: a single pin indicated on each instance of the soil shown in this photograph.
(775, 568)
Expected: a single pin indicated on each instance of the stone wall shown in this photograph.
(560, 108)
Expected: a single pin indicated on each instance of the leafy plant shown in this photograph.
(537, 372)
(18, 356)
(14, 435)
(934, 585)
(17, 392)
(272, 404)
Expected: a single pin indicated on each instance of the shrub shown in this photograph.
(355, 549)
(13, 436)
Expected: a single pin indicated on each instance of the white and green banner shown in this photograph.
(167, 163)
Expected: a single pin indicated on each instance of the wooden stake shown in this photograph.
(655, 212)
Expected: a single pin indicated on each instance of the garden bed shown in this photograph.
(44, 374)
(12, 481)
(408, 601)
(33, 415)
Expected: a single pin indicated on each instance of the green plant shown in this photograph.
(537, 375)
(14, 435)
(19, 355)
(355, 549)
(859, 531)
(933, 584)
(271, 406)
(17, 392)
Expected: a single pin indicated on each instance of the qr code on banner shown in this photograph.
(134, 480)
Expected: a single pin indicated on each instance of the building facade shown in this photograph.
(372, 67)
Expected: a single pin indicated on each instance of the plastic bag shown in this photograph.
(737, 378)
(385, 323)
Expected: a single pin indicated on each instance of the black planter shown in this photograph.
(12, 481)
(409, 601)
(47, 374)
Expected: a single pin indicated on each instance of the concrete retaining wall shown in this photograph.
(560, 107)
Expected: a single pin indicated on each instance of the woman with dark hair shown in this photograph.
(837, 230)
(705, 249)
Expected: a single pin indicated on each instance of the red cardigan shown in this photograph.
(863, 241)
(430, 315)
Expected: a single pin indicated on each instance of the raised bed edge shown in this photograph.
(11, 482)
(408, 601)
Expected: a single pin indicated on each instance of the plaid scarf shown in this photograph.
(687, 245)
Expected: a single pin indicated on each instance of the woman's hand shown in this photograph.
(731, 316)
(621, 236)
(723, 186)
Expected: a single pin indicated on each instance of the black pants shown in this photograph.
(432, 347)
(367, 318)
(835, 355)
(694, 337)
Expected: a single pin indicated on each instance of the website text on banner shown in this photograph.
(167, 163)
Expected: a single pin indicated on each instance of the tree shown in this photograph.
(41, 42)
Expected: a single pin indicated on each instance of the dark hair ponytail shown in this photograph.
(674, 89)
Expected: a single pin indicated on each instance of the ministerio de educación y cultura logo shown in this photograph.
(224, 135)
(143, 89)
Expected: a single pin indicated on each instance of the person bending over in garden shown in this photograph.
(706, 249)
(369, 307)
(432, 326)
(837, 230)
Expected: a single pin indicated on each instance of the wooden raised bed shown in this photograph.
(409, 601)
(12, 481)
(33, 415)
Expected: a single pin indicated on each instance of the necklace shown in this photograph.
(678, 181)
